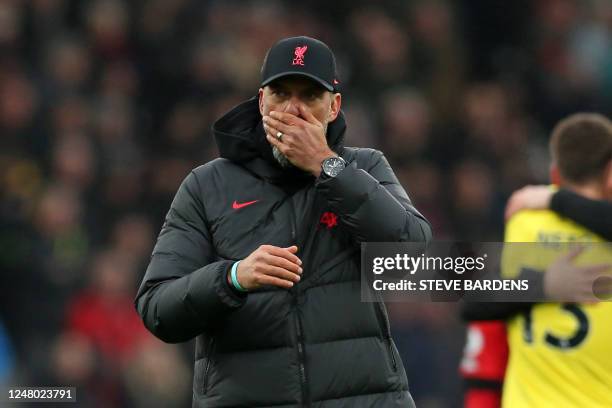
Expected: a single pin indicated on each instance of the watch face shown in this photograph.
(333, 166)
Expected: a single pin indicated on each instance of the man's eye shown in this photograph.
(279, 93)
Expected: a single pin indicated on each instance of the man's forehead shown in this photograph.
(297, 82)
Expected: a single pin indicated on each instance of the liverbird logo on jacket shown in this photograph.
(299, 55)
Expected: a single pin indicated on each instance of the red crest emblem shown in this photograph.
(298, 58)
(329, 219)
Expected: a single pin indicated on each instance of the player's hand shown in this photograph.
(529, 197)
(566, 282)
(303, 142)
(270, 265)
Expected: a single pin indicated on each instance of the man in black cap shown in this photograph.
(259, 256)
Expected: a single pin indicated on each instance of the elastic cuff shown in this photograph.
(227, 292)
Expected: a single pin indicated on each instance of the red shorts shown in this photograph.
(483, 365)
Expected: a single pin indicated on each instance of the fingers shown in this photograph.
(271, 136)
(270, 265)
(306, 114)
(287, 253)
(281, 268)
(278, 125)
(287, 118)
(271, 270)
(573, 252)
(275, 142)
(274, 281)
(271, 132)
(290, 120)
(284, 263)
(594, 270)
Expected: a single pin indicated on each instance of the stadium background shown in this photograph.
(105, 106)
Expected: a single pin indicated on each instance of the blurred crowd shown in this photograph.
(106, 105)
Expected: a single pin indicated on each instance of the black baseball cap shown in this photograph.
(304, 56)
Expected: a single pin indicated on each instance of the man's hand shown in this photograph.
(529, 197)
(303, 141)
(566, 282)
(269, 265)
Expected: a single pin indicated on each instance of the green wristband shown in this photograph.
(235, 278)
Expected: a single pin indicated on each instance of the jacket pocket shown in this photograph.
(323, 268)
(385, 329)
(207, 365)
(337, 259)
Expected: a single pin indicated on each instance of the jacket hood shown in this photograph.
(240, 137)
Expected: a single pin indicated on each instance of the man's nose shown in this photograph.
(292, 106)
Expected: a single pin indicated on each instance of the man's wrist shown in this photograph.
(316, 169)
(331, 167)
(232, 279)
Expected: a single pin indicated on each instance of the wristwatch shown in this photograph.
(332, 166)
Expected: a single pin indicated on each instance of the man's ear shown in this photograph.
(334, 108)
(261, 92)
(555, 175)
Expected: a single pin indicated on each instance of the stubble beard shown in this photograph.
(281, 158)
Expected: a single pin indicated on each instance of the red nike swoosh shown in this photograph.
(237, 206)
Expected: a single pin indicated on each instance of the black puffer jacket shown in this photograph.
(314, 345)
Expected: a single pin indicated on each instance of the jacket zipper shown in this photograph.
(211, 343)
(391, 353)
(387, 333)
(301, 357)
(293, 221)
(298, 324)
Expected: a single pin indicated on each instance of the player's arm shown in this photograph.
(595, 215)
(562, 281)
